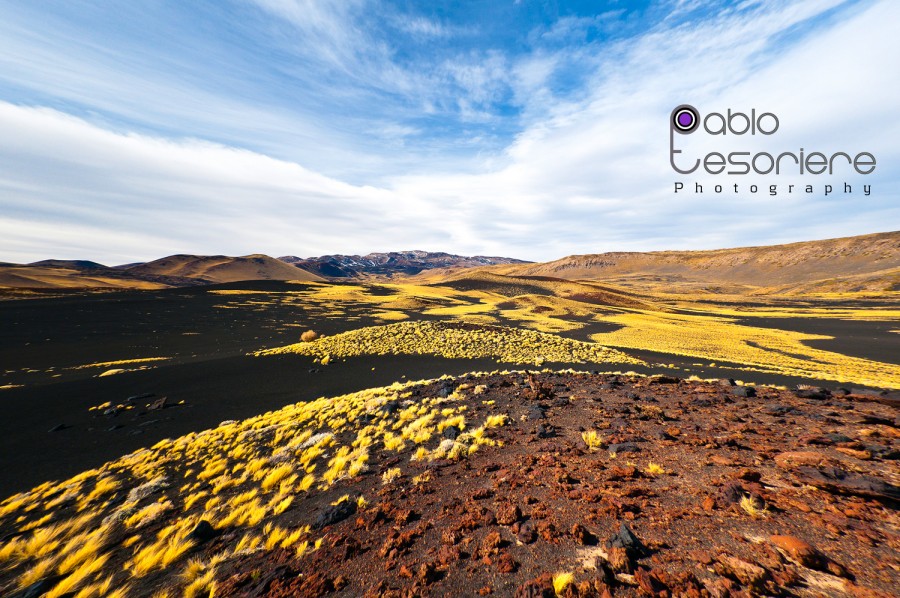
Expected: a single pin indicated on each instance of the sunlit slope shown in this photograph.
(220, 268)
(769, 266)
(62, 277)
(456, 341)
(765, 350)
(127, 525)
(482, 317)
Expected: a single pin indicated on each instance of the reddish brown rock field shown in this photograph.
(690, 489)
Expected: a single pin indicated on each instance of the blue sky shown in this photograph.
(534, 129)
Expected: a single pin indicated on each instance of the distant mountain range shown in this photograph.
(850, 264)
(187, 270)
(390, 264)
(172, 271)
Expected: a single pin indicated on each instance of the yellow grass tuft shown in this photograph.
(36, 573)
(78, 577)
(752, 507)
(561, 581)
(306, 483)
(104, 485)
(281, 504)
(592, 439)
(393, 443)
(390, 475)
(275, 476)
(494, 421)
(148, 514)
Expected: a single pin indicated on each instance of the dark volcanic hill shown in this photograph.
(388, 264)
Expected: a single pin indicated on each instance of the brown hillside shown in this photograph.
(14, 276)
(776, 265)
(220, 268)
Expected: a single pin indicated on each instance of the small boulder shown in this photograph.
(799, 551)
(203, 532)
(158, 404)
(527, 533)
(743, 391)
(812, 392)
(626, 539)
(507, 514)
(334, 514)
(792, 459)
(624, 447)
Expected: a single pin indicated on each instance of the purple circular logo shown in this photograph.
(685, 119)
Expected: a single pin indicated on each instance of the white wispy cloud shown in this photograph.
(586, 171)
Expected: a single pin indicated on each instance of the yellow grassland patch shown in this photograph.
(722, 339)
(239, 475)
(513, 345)
(106, 364)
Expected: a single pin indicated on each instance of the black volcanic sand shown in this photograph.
(209, 371)
(856, 338)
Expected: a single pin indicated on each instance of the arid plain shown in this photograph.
(693, 423)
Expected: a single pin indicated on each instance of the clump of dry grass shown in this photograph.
(752, 507)
(592, 439)
(655, 469)
(309, 336)
(561, 581)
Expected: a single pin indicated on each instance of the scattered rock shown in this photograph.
(793, 459)
(540, 587)
(334, 514)
(507, 514)
(731, 493)
(807, 555)
(743, 391)
(861, 454)
(203, 532)
(626, 539)
(536, 413)
(779, 410)
(545, 431)
(158, 404)
(624, 447)
(427, 574)
(748, 574)
(581, 535)
(836, 438)
(812, 392)
(506, 563)
(490, 544)
(619, 560)
(749, 475)
(834, 479)
(526, 533)
(650, 583)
